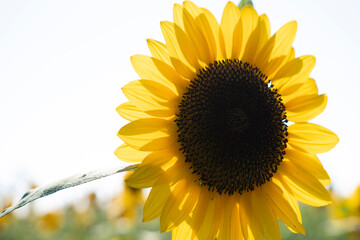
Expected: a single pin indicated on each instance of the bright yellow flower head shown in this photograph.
(6, 221)
(348, 207)
(219, 122)
(50, 223)
(126, 203)
(354, 202)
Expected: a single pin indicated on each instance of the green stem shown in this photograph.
(245, 3)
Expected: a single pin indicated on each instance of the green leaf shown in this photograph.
(68, 182)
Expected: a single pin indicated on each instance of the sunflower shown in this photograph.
(50, 223)
(126, 204)
(348, 207)
(219, 122)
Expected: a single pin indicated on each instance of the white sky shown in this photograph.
(63, 63)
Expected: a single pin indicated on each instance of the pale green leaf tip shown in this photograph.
(68, 182)
(245, 3)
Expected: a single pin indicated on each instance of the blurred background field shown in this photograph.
(119, 218)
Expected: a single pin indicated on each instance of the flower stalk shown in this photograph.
(245, 3)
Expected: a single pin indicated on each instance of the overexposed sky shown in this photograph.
(63, 63)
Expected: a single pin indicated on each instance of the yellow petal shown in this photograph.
(218, 216)
(302, 65)
(191, 7)
(163, 157)
(197, 38)
(291, 55)
(288, 195)
(160, 192)
(294, 73)
(312, 138)
(154, 69)
(243, 218)
(251, 235)
(255, 228)
(183, 232)
(249, 21)
(231, 228)
(305, 108)
(257, 39)
(198, 216)
(149, 134)
(176, 171)
(160, 92)
(305, 186)
(182, 52)
(217, 33)
(211, 222)
(130, 112)
(231, 30)
(307, 88)
(276, 49)
(179, 204)
(150, 169)
(155, 201)
(128, 154)
(178, 15)
(309, 163)
(159, 50)
(144, 176)
(204, 25)
(282, 208)
(264, 216)
(151, 97)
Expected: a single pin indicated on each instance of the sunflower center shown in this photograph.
(232, 127)
(237, 119)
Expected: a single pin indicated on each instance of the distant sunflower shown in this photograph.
(50, 223)
(347, 208)
(219, 123)
(126, 204)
